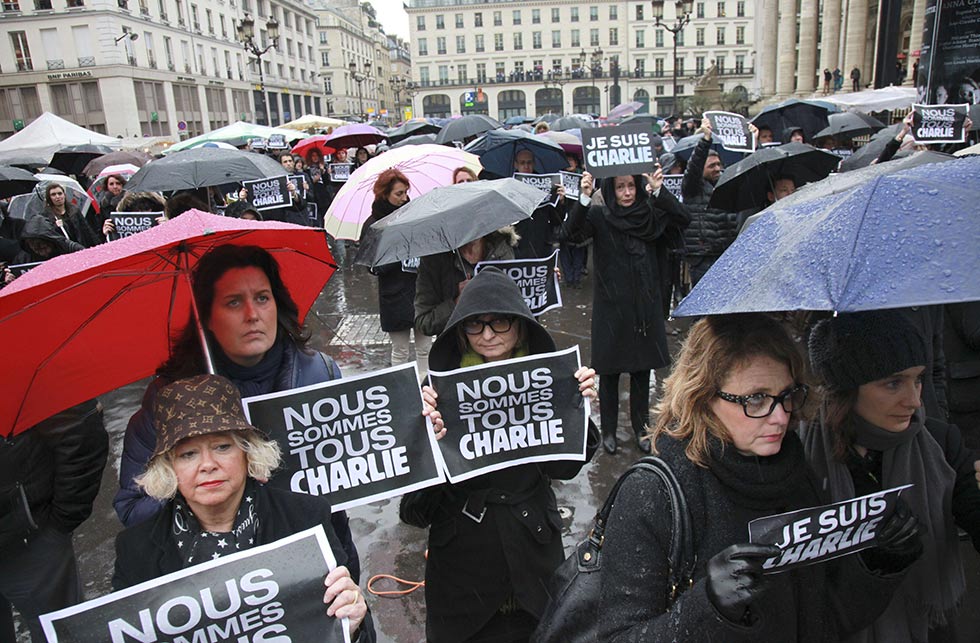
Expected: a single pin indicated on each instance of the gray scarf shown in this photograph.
(935, 583)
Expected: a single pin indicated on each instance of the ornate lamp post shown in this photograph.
(556, 80)
(398, 84)
(246, 36)
(411, 89)
(359, 77)
(682, 9)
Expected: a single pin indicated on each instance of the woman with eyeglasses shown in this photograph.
(873, 435)
(494, 540)
(726, 429)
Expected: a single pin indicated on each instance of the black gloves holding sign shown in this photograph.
(898, 542)
(735, 579)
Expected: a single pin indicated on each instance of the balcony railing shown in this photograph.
(25, 65)
(86, 61)
(56, 64)
(539, 78)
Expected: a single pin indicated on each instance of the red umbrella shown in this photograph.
(85, 323)
(310, 143)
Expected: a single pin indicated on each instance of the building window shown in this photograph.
(639, 69)
(460, 44)
(660, 90)
(593, 37)
(461, 76)
(500, 70)
(498, 19)
(720, 63)
(498, 42)
(720, 35)
(424, 76)
(640, 39)
(518, 41)
(323, 37)
(440, 21)
(481, 72)
(22, 51)
(593, 14)
(658, 38)
(613, 12)
(441, 45)
(419, 23)
(443, 74)
(740, 9)
(210, 19)
(739, 35)
(423, 47)
(168, 51)
(721, 9)
(680, 38)
(576, 39)
(740, 64)
(574, 11)
(680, 88)
(556, 38)
(658, 67)
(536, 16)
(478, 19)
(536, 39)
(613, 36)
(325, 58)
(699, 8)
(516, 16)
(479, 42)
(555, 15)
(699, 65)
(699, 37)
(459, 21)
(639, 12)
(680, 67)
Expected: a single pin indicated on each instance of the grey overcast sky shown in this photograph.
(392, 16)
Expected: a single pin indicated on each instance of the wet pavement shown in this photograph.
(344, 324)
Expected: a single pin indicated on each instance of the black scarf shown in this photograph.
(769, 482)
(197, 546)
(253, 380)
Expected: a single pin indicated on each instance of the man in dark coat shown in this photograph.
(856, 79)
(711, 230)
(961, 343)
(538, 231)
(49, 478)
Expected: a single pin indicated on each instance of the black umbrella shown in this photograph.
(647, 119)
(412, 128)
(850, 124)
(684, 148)
(24, 161)
(14, 180)
(870, 151)
(74, 158)
(811, 117)
(418, 139)
(466, 127)
(570, 122)
(744, 184)
(132, 157)
(498, 148)
(446, 219)
(201, 167)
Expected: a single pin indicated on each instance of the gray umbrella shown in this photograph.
(466, 127)
(417, 139)
(447, 218)
(569, 122)
(202, 167)
(849, 125)
(870, 151)
(14, 180)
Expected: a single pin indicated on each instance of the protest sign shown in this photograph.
(502, 414)
(277, 142)
(732, 130)
(266, 194)
(618, 151)
(842, 152)
(253, 596)
(299, 180)
(340, 172)
(817, 534)
(544, 182)
(355, 440)
(672, 183)
(311, 210)
(130, 223)
(257, 143)
(572, 183)
(939, 123)
(537, 279)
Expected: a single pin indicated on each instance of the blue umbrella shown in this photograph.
(685, 147)
(907, 238)
(497, 149)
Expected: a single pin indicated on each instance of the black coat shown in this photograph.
(961, 343)
(472, 568)
(619, 342)
(148, 550)
(59, 463)
(820, 603)
(40, 227)
(77, 227)
(538, 231)
(711, 230)
(396, 287)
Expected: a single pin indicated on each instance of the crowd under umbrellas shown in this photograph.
(851, 236)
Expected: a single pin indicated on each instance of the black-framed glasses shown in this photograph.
(497, 325)
(760, 405)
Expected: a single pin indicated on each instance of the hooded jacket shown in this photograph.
(41, 227)
(439, 276)
(711, 230)
(473, 568)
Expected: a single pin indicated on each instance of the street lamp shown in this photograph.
(246, 36)
(359, 77)
(398, 84)
(596, 68)
(556, 80)
(411, 90)
(682, 9)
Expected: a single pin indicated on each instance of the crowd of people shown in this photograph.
(750, 424)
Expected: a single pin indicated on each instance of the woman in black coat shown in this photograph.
(873, 435)
(628, 334)
(67, 217)
(396, 281)
(724, 430)
(494, 540)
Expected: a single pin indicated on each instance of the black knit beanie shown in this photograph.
(856, 348)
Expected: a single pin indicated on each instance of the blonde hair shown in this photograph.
(159, 480)
(714, 347)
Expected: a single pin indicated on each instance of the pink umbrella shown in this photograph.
(354, 135)
(625, 109)
(568, 141)
(426, 166)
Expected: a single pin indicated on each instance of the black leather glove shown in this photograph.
(735, 579)
(898, 543)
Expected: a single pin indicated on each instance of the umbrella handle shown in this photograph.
(462, 265)
(205, 349)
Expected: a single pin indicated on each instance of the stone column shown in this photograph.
(766, 48)
(830, 36)
(915, 38)
(856, 43)
(786, 68)
(806, 55)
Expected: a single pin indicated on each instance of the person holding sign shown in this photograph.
(495, 539)
(628, 334)
(396, 281)
(873, 435)
(252, 326)
(209, 467)
(724, 429)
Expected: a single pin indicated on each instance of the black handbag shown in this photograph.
(571, 614)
